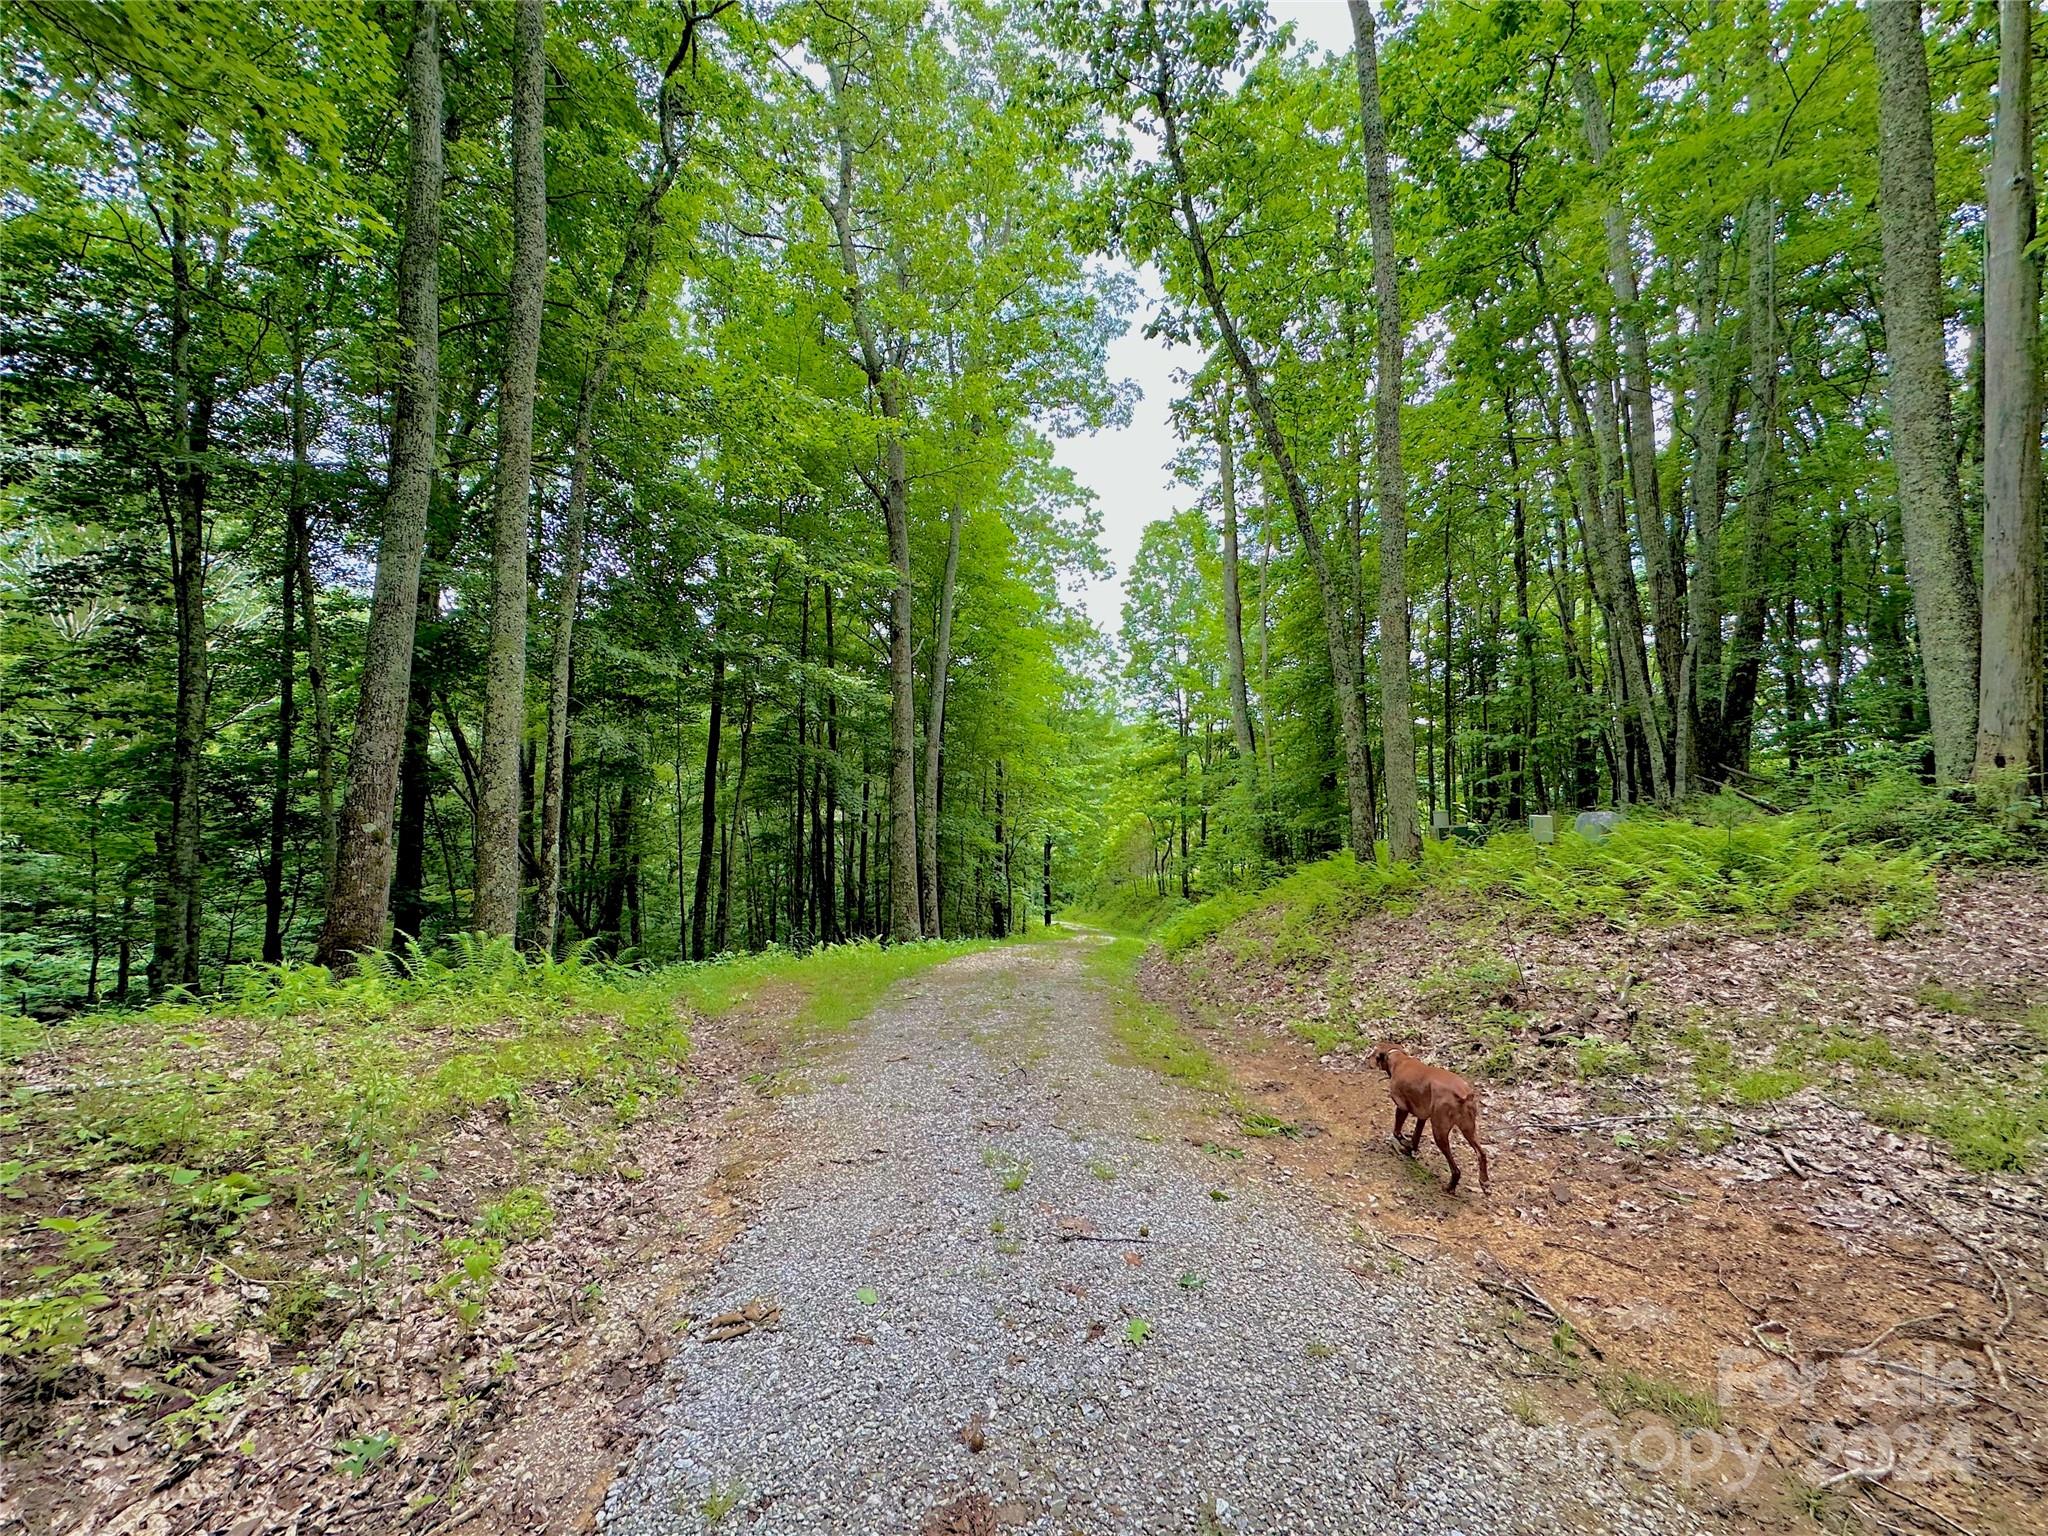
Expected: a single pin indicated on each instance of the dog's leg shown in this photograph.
(1401, 1119)
(1469, 1129)
(1441, 1132)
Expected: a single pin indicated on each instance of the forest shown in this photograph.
(588, 475)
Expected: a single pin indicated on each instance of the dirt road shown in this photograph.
(984, 1230)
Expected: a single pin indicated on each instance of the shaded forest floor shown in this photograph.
(1766, 1208)
(394, 1254)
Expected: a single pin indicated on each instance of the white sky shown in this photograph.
(1127, 467)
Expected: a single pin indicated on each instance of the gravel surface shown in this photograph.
(1228, 1372)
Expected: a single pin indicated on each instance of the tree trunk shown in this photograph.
(1614, 586)
(287, 706)
(1001, 914)
(935, 728)
(1397, 713)
(1745, 661)
(192, 399)
(1233, 599)
(708, 821)
(547, 915)
(830, 928)
(409, 870)
(498, 868)
(905, 924)
(1696, 711)
(1638, 411)
(1922, 424)
(1048, 880)
(361, 883)
(1337, 629)
(2009, 718)
(1528, 774)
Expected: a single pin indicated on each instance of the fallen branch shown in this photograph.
(1999, 1288)
(1864, 1474)
(1515, 1288)
(1926, 1509)
(1899, 1327)
(1099, 1237)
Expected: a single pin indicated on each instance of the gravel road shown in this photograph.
(1221, 1369)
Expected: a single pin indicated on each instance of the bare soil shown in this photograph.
(1854, 1307)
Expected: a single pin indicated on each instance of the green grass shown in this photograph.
(1623, 1392)
(837, 985)
(1153, 1036)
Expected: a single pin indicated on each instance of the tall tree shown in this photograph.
(1397, 712)
(1164, 90)
(498, 866)
(361, 888)
(1922, 423)
(2009, 720)
(1233, 600)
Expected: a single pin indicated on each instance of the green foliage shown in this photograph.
(361, 1452)
(1659, 869)
(1597, 1058)
(519, 1215)
(1766, 1085)
(1898, 811)
(45, 1325)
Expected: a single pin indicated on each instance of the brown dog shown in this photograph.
(1441, 1099)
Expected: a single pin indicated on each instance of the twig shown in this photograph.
(1747, 1306)
(1598, 1122)
(1899, 1327)
(1864, 1474)
(1519, 1289)
(1926, 1509)
(1393, 1247)
(1998, 1286)
(1099, 1237)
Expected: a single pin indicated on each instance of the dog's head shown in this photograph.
(1383, 1056)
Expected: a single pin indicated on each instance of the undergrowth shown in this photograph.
(1734, 862)
(297, 1118)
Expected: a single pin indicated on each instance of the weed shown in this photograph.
(519, 1215)
(1012, 1172)
(296, 1308)
(1137, 1330)
(1190, 1281)
(1625, 1391)
(467, 1287)
(1102, 1169)
(363, 1452)
(1319, 1349)
(45, 1325)
(1595, 1058)
(721, 1501)
(1526, 1409)
(1766, 1085)
(1256, 1122)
